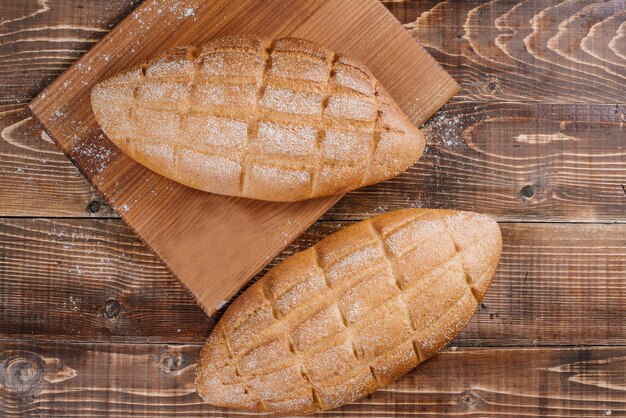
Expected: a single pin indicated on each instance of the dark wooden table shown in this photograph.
(92, 324)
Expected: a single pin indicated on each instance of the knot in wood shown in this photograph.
(94, 206)
(170, 362)
(112, 308)
(469, 399)
(528, 191)
(21, 371)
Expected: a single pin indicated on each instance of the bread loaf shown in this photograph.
(281, 121)
(351, 314)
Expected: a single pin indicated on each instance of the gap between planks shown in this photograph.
(348, 222)
(449, 348)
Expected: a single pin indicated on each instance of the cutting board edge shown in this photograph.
(455, 86)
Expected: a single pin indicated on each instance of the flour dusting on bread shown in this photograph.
(356, 311)
(290, 108)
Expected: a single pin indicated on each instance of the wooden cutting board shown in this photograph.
(215, 244)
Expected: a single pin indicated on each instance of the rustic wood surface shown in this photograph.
(91, 324)
(100, 269)
(480, 156)
(89, 379)
(242, 235)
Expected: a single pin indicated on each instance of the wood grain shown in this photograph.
(569, 161)
(482, 44)
(59, 276)
(40, 39)
(36, 179)
(90, 280)
(541, 51)
(92, 379)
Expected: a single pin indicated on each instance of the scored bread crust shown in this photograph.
(283, 121)
(354, 312)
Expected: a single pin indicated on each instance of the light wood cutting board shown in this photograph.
(215, 244)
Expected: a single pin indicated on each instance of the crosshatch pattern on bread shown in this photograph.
(354, 312)
(240, 116)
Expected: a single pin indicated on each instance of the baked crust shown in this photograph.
(282, 121)
(351, 314)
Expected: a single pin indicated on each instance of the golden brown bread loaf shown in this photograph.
(351, 314)
(282, 121)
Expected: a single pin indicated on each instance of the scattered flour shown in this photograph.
(445, 131)
(96, 155)
(74, 302)
(179, 10)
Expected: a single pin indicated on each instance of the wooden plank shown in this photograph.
(36, 179)
(39, 40)
(92, 280)
(491, 62)
(543, 51)
(181, 225)
(517, 162)
(156, 380)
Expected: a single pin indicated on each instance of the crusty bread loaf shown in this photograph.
(350, 314)
(281, 121)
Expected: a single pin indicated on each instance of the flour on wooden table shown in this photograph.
(445, 131)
